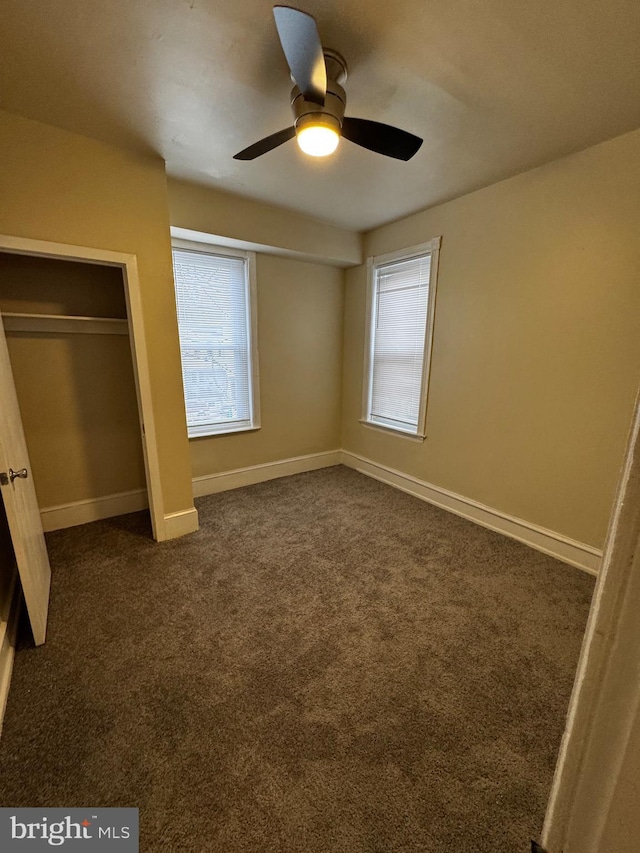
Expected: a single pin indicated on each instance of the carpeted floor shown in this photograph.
(327, 666)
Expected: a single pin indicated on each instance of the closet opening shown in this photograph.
(73, 326)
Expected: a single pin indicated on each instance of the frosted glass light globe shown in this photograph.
(318, 140)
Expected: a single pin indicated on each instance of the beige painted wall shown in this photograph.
(30, 284)
(536, 356)
(76, 391)
(66, 188)
(300, 308)
(211, 211)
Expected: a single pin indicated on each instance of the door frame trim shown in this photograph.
(128, 263)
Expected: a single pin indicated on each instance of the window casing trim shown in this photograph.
(432, 248)
(210, 430)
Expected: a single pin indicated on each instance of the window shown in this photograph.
(400, 316)
(215, 297)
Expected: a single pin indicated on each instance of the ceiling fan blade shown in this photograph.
(381, 138)
(266, 144)
(302, 48)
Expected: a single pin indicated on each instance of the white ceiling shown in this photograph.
(494, 87)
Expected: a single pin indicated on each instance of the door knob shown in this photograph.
(4, 477)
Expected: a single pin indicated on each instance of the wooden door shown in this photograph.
(21, 505)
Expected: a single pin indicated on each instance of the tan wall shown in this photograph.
(52, 286)
(76, 391)
(224, 215)
(69, 189)
(300, 307)
(536, 356)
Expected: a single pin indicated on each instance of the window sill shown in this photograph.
(222, 432)
(392, 431)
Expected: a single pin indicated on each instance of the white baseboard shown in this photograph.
(8, 631)
(211, 484)
(93, 509)
(80, 512)
(561, 547)
(178, 524)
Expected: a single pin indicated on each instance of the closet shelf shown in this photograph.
(65, 323)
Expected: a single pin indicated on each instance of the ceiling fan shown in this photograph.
(318, 99)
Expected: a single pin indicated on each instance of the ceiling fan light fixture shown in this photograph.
(318, 100)
(318, 137)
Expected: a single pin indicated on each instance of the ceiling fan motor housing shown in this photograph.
(331, 113)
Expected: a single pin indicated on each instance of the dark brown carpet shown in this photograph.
(327, 665)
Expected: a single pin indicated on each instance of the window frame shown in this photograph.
(211, 248)
(432, 248)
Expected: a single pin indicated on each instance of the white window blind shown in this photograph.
(398, 337)
(214, 322)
